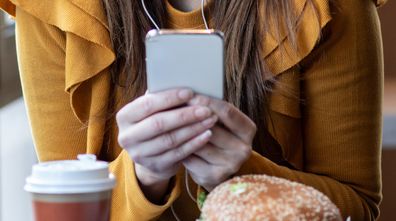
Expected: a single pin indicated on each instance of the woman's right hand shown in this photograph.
(159, 132)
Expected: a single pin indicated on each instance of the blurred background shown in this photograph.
(16, 145)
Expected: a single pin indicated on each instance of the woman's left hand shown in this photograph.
(229, 147)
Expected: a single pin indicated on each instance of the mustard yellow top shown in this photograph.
(332, 138)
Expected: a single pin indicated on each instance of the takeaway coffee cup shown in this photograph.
(71, 190)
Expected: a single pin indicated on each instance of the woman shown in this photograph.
(303, 98)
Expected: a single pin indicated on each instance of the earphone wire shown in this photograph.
(148, 15)
(157, 26)
(188, 186)
(203, 14)
(174, 213)
(186, 183)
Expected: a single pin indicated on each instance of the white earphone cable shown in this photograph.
(148, 15)
(203, 14)
(189, 194)
(174, 213)
(188, 186)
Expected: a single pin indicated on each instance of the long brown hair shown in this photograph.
(248, 81)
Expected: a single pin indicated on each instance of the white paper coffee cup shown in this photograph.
(72, 190)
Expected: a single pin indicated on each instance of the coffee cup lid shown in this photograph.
(85, 175)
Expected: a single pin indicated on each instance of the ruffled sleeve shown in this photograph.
(336, 77)
(88, 55)
(89, 38)
(283, 59)
(283, 56)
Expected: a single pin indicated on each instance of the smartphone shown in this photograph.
(185, 58)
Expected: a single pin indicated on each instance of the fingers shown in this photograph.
(166, 142)
(212, 155)
(235, 149)
(161, 123)
(177, 155)
(205, 174)
(224, 149)
(236, 121)
(226, 140)
(197, 165)
(149, 104)
(148, 177)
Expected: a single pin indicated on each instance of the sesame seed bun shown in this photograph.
(261, 197)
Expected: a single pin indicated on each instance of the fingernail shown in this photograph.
(202, 112)
(185, 94)
(210, 121)
(206, 135)
(194, 100)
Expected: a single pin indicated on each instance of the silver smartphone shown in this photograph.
(185, 58)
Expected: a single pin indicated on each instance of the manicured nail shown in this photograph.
(202, 112)
(185, 94)
(210, 121)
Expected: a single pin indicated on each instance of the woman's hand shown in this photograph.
(158, 136)
(229, 147)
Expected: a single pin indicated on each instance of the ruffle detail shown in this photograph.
(282, 59)
(88, 56)
(283, 56)
(88, 48)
